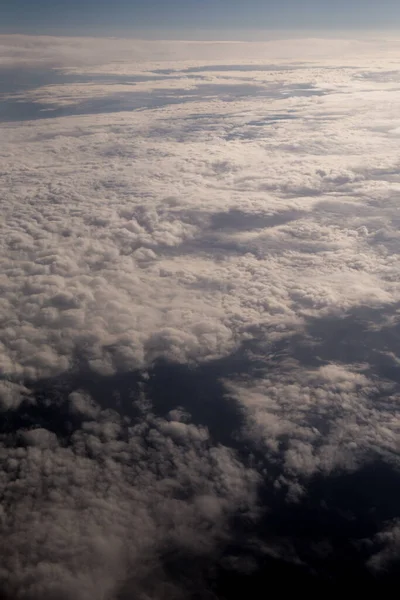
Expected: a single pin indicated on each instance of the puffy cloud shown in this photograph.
(235, 217)
(321, 420)
(11, 395)
(85, 519)
(389, 541)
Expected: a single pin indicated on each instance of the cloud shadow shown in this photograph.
(324, 539)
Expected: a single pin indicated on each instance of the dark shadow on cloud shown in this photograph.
(379, 76)
(19, 109)
(274, 118)
(363, 335)
(331, 529)
(254, 129)
(321, 541)
(244, 68)
(366, 337)
(196, 389)
(256, 68)
(324, 539)
(211, 240)
(223, 126)
(238, 220)
(18, 79)
(15, 81)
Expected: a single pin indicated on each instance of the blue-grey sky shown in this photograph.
(113, 16)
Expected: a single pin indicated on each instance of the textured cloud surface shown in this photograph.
(199, 315)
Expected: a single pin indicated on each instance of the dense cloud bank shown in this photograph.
(199, 317)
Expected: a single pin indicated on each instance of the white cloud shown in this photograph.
(160, 201)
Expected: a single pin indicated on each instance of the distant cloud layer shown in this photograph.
(199, 304)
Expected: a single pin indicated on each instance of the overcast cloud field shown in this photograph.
(199, 318)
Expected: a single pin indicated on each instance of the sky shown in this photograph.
(183, 17)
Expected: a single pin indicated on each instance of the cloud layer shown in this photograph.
(199, 307)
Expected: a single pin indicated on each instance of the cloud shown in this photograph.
(389, 540)
(321, 419)
(199, 312)
(86, 518)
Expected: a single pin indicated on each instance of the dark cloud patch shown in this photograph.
(363, 335)
(15, 83)
(26, 78)
(384, 76)
(289, 116)
(217, 231)
(325, 538)
(255, 68)
(17, 109)
(332, 528)
(198, 390)
(238, 220)
(239, 67)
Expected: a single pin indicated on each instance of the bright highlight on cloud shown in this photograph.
(199, 314)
